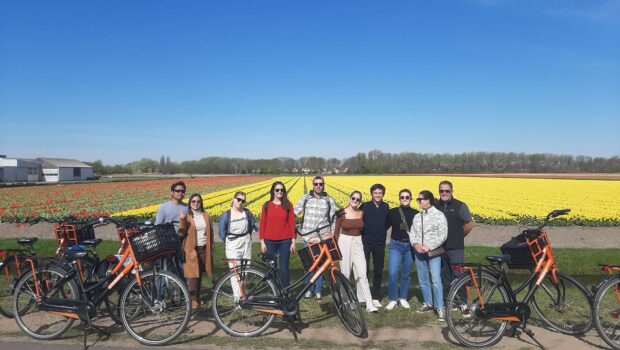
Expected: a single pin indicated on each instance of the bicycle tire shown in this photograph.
(606, 312)
(349, 310)
(461, 306)
(111, 302)
(38, 324)
(565, 307)
(8, 278)
(163, 299)
(229, 316)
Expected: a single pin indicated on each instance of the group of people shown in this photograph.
(432, 236)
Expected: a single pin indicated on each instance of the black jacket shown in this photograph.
(376, 223)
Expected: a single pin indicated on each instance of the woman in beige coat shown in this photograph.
(197, 229)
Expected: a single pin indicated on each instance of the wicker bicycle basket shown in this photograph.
(309, 254)
(155, 241)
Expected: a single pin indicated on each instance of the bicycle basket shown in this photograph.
(75, 232)
(524, 252)
(309, 254)
(155, 241)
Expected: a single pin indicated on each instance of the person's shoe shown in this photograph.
(391, 305)
(309, 294)
(425, 308)
(376, 303)
(441, 317)
(404, 304)
(465, 311)
(318, 296)
(371, 309)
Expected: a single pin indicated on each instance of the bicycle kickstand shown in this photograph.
(88, 326)
(294, 329)
(531, 335)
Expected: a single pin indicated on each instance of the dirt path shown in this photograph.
(202, 333)
(482, 235)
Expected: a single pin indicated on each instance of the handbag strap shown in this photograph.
(422, 224)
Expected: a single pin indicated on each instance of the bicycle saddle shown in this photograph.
(498, 258)
(27, 240)
(92, 242)
(267, 257)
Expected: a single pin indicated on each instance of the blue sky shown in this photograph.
(122, 80)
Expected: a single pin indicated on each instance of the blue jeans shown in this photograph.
(282, 249)
(399, 253)
(423, 263)
(318, 284)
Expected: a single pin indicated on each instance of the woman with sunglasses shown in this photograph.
(400, 251)
(197, 228)
(428, 232)
(235, 228)
(349, 225)
(277, 228)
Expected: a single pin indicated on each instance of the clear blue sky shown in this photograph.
(122, 80)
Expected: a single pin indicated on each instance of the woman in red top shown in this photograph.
(277, 228)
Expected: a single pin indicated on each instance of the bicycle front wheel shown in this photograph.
(243, 284)
(157, 310)
(565, 306)
(9, 273)
(607, 312)
(348, 308)
(39, 324)
(461, 306)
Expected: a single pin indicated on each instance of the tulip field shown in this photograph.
(491, 200)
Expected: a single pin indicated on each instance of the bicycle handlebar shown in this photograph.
(316, 230)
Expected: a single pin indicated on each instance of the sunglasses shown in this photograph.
(196, 201)
(316, 184)
(422, 199)
(405, 197)
(242, 201)
(445, 191)
(179, 191)
(355, 199)
(279, 190)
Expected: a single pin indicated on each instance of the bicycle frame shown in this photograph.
(266, 304)
(544, 265)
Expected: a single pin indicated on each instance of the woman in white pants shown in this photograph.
(348, 227)
(235, 229)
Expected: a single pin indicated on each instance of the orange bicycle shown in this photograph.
(247, 298)
(482, 302)
(607, 307)
(154, 305)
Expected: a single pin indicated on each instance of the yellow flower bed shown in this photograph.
(491, 200)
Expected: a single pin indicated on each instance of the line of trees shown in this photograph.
(375, 162)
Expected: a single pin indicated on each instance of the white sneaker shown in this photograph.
(425, 308)
(391, 305)
(318, 296)
(440, 315)
(308, 295)
(371, 309)
(404, 304)
(376, 303)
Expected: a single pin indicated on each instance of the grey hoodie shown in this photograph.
(435, 228)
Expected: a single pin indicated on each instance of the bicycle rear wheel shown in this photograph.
(156, 311)
(39, 324)
(607, 312)
(9, 273)
(564, 306)
(243, 284)
(348, 308)
(461, 307)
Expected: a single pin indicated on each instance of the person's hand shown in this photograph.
(182, 216)
(263, 247)
(293, 249)
(423, 248)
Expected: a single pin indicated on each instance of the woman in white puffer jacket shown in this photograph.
(428, 232)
